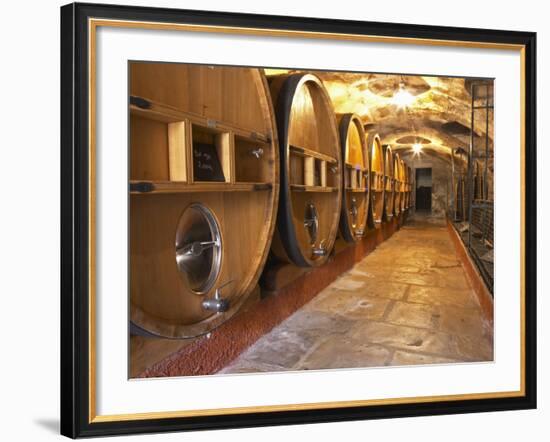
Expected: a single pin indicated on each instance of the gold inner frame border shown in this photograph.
(93, 24)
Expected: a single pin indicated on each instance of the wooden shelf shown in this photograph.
(302, 151)
(356, 190)
(149, 109)
(319, 189)
(156, 187)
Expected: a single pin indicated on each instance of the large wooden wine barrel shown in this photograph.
(377, 187)
(403, 184)
(398, 184)
(412, 184)
(311, 170)
(356, 188)
(408, 187)
(204, 184)
(389, 179)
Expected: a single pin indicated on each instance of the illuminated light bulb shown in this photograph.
(417, 148)
(402, 98)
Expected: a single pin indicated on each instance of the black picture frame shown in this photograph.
(75, 219)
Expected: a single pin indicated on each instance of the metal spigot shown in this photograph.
(319, 251)
(217, 303)
(258, 152)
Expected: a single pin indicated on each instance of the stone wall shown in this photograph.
(441, 179)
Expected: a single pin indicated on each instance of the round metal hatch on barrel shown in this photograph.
(356, 187)
(198, 248)
(204, 185)
(311, 168)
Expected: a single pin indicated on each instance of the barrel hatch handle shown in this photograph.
(258, 152)
(197, 248)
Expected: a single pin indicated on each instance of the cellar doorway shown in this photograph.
(424, 189)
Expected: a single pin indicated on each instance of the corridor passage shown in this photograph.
(406, 303)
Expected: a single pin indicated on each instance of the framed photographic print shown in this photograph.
(275, 220)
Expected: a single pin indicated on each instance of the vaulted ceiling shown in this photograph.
(438, 115)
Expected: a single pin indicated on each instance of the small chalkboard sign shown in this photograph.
(206, 164)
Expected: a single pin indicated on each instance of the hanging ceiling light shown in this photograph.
(417, 148)
(402, 98)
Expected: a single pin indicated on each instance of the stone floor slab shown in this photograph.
(244, 366)
(442, 296)
(342, 352)
(408, 358)
(414, 315)
(474, 349)
(312, 324)
(284, 351)
(461, 321)
(405, 338)
(413, 278)
(384, 289)
(352, 305)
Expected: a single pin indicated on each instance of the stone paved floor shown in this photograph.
(406, 303)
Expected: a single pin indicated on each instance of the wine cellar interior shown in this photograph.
(298, 220)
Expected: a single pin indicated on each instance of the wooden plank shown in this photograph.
(251, 160)
(156, 187)
(177, 158)
(300, 188)
(305, 152)
(189, 150)
(169, 114)
(309, 171)
(353, 179)
(225, 148)
(323, 167)
(148, 150)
